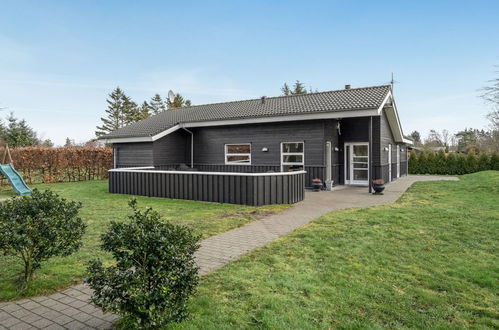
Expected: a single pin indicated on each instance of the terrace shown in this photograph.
(253, 189)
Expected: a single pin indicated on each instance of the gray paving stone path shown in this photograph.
(71, 309)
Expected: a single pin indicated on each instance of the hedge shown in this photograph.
(426, 162)
(47, 165)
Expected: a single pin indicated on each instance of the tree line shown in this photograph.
(17, 133)
(470, 139)
(429, 162)
(122, 110)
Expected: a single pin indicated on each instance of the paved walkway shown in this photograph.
(70, 309)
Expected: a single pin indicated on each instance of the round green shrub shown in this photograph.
(155, 272)
(39, 226)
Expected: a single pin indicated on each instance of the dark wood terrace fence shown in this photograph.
(223, 187)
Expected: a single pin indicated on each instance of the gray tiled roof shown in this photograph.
(331, 101)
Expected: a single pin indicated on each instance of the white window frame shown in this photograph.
(238, 154)
(302, 163)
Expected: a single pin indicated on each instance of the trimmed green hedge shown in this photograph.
(426, 162)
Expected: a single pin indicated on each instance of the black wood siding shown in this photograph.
(235, 189)
(209, 141)
(352, 130)
(386, 138)
(175, 148)
(133, 154)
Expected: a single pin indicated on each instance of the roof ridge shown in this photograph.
(279, 96)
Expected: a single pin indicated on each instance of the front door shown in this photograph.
(357, 163)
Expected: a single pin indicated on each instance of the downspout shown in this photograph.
(370, 153)
(192, 146)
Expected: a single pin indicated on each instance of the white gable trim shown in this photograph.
(144, 138)
(393, 119)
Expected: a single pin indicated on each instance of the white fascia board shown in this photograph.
(129, 139)
(387, 97)
(328, 115)
(149, 169)
(407, 141)
(165, 132)
(144, 138)
(393, 119)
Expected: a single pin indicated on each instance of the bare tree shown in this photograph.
(491, 96)
(434, 139)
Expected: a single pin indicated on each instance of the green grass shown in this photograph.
(431, 260)
(99, 208)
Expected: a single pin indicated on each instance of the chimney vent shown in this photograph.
(347, 86)
(263, 99)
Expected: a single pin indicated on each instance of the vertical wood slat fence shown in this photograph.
(223, 187)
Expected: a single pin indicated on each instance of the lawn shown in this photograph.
(431, 260)
(99, 208)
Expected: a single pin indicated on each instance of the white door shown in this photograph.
(389, 162)
(357, 163)
(398, 161)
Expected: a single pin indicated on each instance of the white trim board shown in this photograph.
(149, 170)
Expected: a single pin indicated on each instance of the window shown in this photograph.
(292, 156)
(238, 153)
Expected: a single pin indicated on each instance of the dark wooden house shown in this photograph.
(213, 152)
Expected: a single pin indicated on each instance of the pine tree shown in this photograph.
(19, 134)
(115, 113)
(178, 102)
(69, 143)
(299, 89)
(157, 104)
(131, 112)
(285, 89)
(144, 111)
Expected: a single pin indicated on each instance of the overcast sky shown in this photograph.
(60, 59)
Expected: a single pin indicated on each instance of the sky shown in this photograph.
(59, 60)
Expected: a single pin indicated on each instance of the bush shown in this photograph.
(155, 273)
(470, 165)
(483, 162)
(452, 164)
(413, 162)
(494, 161)
(44, 164)
(38, 227)
(440, 163)
(423, 163)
